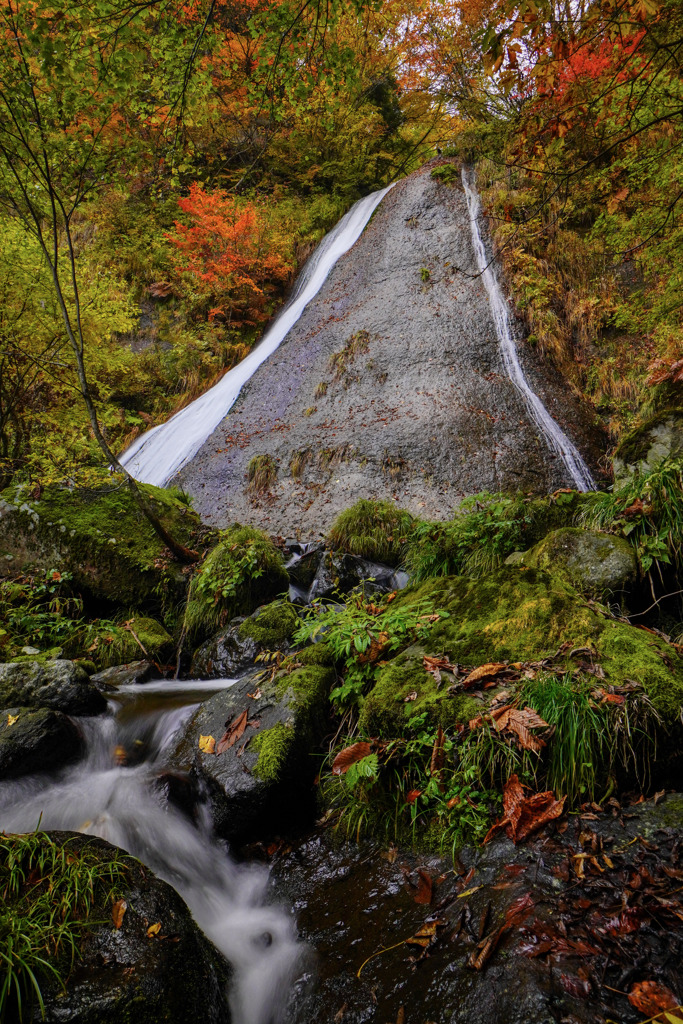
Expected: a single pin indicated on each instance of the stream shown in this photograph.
(116, 792)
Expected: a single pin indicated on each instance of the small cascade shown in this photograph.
(555, 437)
(162, 451)
(117, 798)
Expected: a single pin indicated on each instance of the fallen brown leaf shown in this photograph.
(207, 744)
(233, 732)
(424, 888)
(153, 930)
(522, 814)
(488, 671)
(651, 998)
(118, 911)
(350, 755)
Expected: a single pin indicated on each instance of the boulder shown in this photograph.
(59, 685)
(597, 564)
(141, 636)
(127, 974)
(39, 740)
(659, 438)
(100, 537)
(233, 650)
(262, 783)
(302, 567)
(122, 675)
(340, 574)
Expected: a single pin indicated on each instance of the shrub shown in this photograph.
(372, 529)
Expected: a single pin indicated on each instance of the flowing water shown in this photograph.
(121, 802)
(159, 453)
(555, 437)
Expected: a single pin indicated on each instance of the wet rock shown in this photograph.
(39, 740)
(122, 675)
(60, 685)
(659, 438)
(561, 944)
(303, 567)
(101, 537)
(340, 574)
(124, 974)
(597, 564)
(233, 650)
(262, 783)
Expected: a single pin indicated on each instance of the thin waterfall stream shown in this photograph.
(162, 451)
(119, 798)
(555, 437)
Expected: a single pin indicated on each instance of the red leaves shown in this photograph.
(424, 888)
(523, 815)
(234, 731)
(435, 665)
(350, 755)
(651, 998)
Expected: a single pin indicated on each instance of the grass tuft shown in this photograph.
(372, 529)
(261, 473)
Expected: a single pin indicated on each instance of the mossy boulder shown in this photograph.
(514, 615)
(597, 564)
(125, 974)
(99, 536)
(263, 783)
(59, 685)
(232, 650)
(642, 450)
(243, 571)
(372, 529)
(36, 740)
(142, 637)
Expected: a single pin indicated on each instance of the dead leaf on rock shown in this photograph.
(117, 912)
(489, 671)
(410, 696)
(652, 998)
(11, 719)
(207, 744)
(424, 888)
(435, 665)
(234, 731)
(153, 930)
(350, 755)
(522, 814)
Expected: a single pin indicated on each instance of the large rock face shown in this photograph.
(60, 685)
(232, 650)
(131, 977)
(389, 386)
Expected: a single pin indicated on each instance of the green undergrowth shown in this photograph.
(609, 693)
(241, 572)
(52, 893)
(272, 626)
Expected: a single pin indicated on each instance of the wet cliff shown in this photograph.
(390, 385)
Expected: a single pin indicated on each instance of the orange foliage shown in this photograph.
(229, 251)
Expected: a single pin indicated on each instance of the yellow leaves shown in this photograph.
(118, 911)
(207, 744)
(11, 719)
(153, 930)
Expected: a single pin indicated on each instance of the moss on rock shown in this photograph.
(514, 615)
(271, 626)
(240, 573)
(141, 638)
(597, 564)
(643, 449)
(101, 537)
(372, 529)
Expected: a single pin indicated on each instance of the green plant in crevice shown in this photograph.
(425, 274)
(372, 529)
(52, 893)
(360, 634)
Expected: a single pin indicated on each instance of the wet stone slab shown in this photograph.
(558, 930)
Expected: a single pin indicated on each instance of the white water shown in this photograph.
(119, 803)
(161, 452)
(556, 439)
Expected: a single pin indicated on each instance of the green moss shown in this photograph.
(274, 747)
(447, 174)
(627, 653)
(372, 529)
(243, 570)
(598, 564)
(306, 687)
(272, 626)
(316, 654)
(101, 536)
(157, 643)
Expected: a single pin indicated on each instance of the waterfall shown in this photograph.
(555, 437)
(119, 802)
(160, 452)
